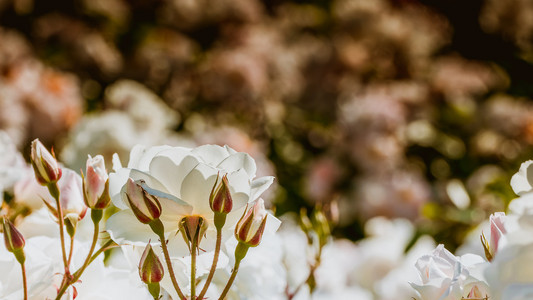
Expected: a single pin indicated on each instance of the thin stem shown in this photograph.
(193, 269)
(240, 253)
(95, 255)
(169, 266)
(231, 279)
(70, 251)
(24, 282)
(96, 216)
(54, 191)
(213, 265)
(98, 252)
(312, 270)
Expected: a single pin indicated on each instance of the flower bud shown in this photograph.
(145, 206)
(497, 230)
(192, 229)
(96, 183)
(13, 239)
(150, 267)
(220, 198)
(45, 166)
(249, 229)
(476, 293)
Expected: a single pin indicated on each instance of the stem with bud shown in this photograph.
(157, 228)
(218, 226)
(240, 253)
(193, 269)
(24, 281)
(96, 216)
(54, 191)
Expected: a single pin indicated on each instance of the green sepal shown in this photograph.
(154, 289)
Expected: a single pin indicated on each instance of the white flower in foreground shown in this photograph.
(444, 276)
(510, 274)
(182, 180)
(522, 181)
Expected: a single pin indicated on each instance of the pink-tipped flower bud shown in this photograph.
(12, 237)
(45, 165)
(145, 206)
(249, 229)
(96, 183)
(14, 240)
(220, 198)
(497, 230)
(150, 267)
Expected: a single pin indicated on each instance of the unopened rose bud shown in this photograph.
(145, 206)
(151, 270)
(220, 198)
(150, 267)
(476, 294)
(249, 229)
(45, 166)
(13, 239)
(192, 229)
(96, 183)
(497, 230)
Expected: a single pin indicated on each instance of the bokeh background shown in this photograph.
(398, 108)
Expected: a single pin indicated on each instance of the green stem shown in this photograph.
(24, 282)
(169, 265)
(96, 216)
(54, 191)
(70, 251)
(213, 265)
(193, 269)
(98, 252)
(230, 281)
(240, 253)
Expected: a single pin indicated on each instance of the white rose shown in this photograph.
(510, 274)
(182, 179)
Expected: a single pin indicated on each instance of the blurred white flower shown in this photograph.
(12, 165)
(522, 181)
(444, 276)
(510, 274)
